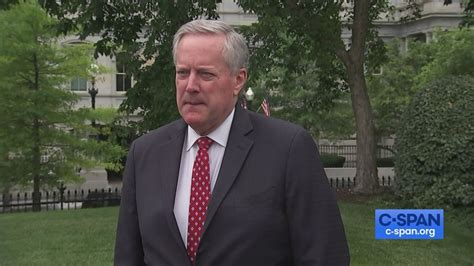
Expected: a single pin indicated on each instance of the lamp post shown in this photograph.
(249, 96)
(93, 91)
(61, 188)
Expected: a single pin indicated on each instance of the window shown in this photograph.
(79, 84)
(123, 79)
(377, 71)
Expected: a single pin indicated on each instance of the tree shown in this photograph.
(317, 25)
(142, 33)
(117, 129)
(453, 55)
(143, 30)
(46, 138)
(405, 73)
(5, 4)
(392, 91)
(150, 29)
(300, 89)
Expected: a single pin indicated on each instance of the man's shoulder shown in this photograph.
(271, 124)
(163, 133)
(278, 135)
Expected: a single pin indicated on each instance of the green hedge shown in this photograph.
(385, 162)
(332, 160)
(434, 165)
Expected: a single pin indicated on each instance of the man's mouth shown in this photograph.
(193, 103)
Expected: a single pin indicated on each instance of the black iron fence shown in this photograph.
(350, 152)
(63, 199)
(60, 199)
(349, 182)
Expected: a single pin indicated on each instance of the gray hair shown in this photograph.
(235, 52)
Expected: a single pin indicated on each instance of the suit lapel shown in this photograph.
(169, 164)
(237, 149)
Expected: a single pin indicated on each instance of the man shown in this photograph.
(222, 185)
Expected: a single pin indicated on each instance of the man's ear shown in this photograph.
(240, 80)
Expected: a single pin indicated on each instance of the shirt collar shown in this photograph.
(219, 135)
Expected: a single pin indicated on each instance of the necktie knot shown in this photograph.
(204, 143)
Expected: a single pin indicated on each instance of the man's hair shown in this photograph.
(235, 51)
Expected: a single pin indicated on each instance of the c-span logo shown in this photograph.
(409, 224)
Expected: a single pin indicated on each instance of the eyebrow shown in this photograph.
(199, 69)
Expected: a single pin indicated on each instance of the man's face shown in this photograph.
(206, 90)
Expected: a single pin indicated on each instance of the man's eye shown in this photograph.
(181, 72)
(207, 75)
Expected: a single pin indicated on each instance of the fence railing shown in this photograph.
(350, 152)
(76, 199)
(349, 182)
(61, 199)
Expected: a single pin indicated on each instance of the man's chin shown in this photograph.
(193, 119)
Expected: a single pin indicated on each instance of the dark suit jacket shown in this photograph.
(271, 205)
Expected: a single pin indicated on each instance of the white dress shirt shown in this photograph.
(188, 155)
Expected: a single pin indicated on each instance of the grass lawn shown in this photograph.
(73, 237)
(86, 237)
(457, 247)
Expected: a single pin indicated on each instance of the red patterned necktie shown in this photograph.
(199, 197)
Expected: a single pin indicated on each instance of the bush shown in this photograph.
(332, 160)
(434, 164)
(385, 162)
(96, 199)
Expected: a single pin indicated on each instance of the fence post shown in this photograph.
(75, 199)
(6, 201)
(61, 194)
(18, 200)
(47, 200)
(54, 200)
(11, 200)
(68, 199)
(116, 194)
(25, 200)
(104, 204)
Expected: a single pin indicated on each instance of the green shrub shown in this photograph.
(385, 162)
(332, 160)
(434, 164)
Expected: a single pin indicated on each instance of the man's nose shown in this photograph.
(193, 83)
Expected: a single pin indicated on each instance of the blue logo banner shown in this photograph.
(409, 224)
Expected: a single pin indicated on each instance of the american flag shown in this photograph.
(265, 107)
(243, 103)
